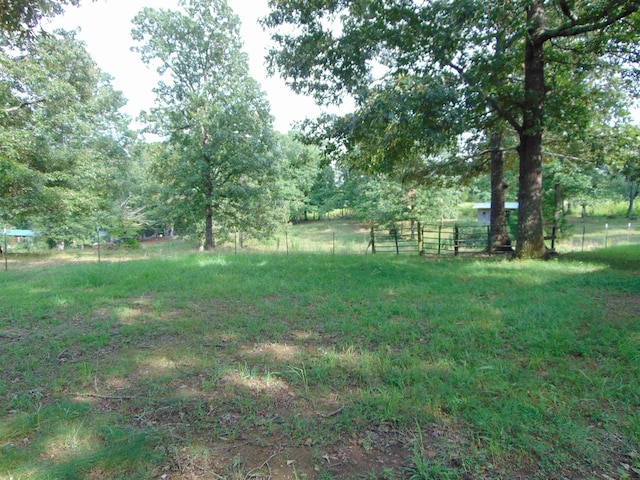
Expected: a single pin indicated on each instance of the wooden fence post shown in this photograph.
(395, 237)
(373, 241)
(456, 239)
(420, 241)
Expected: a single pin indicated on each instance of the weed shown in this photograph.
(424, 466)
(237, 470)
(300, 374)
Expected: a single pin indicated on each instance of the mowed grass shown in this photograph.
(322, 366)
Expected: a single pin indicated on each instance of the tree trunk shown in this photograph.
(209, 241)
(530, 238)
(500, 240)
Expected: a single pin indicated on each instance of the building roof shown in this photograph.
(487, 205)
(19, 233)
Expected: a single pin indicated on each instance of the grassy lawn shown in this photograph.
(322, 367)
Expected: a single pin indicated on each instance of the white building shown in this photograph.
(484, 210)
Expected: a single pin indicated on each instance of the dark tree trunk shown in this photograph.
(530, 238)
(209, 240)
(500, 240)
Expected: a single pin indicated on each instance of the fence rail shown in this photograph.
(441, 239)
(395, 240)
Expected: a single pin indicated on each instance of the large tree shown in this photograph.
(63, 141)
(494, 55)
(213, 115)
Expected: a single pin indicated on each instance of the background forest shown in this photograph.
(443, 115)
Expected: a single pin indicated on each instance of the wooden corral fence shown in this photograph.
(438, 239)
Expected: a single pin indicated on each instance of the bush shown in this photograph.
(129, 242)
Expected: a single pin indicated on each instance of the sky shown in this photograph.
(105, 27)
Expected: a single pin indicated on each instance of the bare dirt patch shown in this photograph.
(625, 306)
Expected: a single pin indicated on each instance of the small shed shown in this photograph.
(484, 211)
(19, 233)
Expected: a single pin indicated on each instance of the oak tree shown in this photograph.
(497, 57)
(213, 116)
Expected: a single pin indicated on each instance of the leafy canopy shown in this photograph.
(64, 142)
(19, 18)
(213, 115)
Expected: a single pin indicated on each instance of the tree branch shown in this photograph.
(591, 23)
(505, 114)
(24, 105)
(566, 11)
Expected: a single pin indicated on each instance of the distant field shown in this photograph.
(599, 232)
(275, 366)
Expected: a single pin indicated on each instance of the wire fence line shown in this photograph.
(446, 239)
(442, 239)
(434, 239)
(590, 237)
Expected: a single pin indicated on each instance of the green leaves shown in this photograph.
(526, 64)
(214, 116)
(19, 18)
(63, 139)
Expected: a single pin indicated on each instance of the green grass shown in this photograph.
(322, 366)
(599, 232)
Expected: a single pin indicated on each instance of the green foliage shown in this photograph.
(216, 159)
(439, 201)
(64, 154)
(19, 18)
(384, 202)
(424, 73)
(304, 185)
(381, 202)
(623, 160)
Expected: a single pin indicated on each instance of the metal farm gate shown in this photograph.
(395, 240)
(437, 239)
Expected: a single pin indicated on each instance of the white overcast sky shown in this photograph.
(105, 27)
